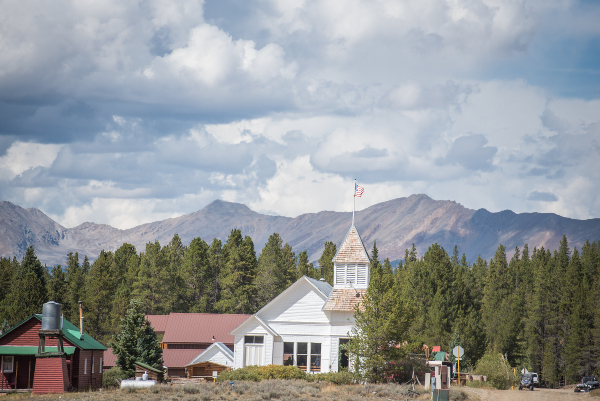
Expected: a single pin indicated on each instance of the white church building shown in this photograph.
(305, 324)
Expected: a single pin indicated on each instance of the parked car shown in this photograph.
(592, 385)
(588, 383)
(526, 381)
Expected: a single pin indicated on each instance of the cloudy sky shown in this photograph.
(130, 112)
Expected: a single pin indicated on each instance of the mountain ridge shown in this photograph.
(395, 225)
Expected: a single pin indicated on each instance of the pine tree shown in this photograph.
(577, 342)
(174, 253)
(57, 285)
(136, 341)
(305, 268)
(326, 261)
(382, 323)
(216, 261)
(276, 270)
(196, 276)
(75, 278)
(98, 301)
(442, 313)
(236, 280)
(154, 283)
(499, 299)
(6, 274)
(28, 290)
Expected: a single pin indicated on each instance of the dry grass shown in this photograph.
(280, 390)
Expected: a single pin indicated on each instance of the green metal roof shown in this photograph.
(148, 367)
(440, 356)
(70, 332)
(19, 350)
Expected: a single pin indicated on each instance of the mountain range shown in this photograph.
(394, 224)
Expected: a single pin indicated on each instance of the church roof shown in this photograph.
(352, 249)
(344, 299)
(322, 286)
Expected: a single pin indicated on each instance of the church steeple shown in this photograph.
(351, 263)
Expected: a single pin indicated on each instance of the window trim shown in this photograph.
(12, 364)
(309, 355)
(253, 339)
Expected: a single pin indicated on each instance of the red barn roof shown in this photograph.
(201, 327)
(110, 359)
(158, 322)
(178, 358)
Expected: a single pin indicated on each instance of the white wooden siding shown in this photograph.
(303, 305)
(334, 354)
(216, 355)
(300, 329)
(238, 353)
(278, 351)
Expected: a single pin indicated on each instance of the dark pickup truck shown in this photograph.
(588, 383)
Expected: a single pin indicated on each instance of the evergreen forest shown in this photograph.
(538, 309)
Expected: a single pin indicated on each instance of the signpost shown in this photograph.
(457, 352)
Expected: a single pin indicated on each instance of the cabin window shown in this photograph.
(254, 339)
(301, 355)
(288, 354)
(304, 353)
(101, 367)
(93, 364)
(315, 357)
(85, 366)
(8, 363)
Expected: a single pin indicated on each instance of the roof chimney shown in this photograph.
(80, 320)
(322, 279)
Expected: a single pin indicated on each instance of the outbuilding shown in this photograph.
(20, 366)
(216, 358)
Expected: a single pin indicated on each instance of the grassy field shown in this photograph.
(284, 390)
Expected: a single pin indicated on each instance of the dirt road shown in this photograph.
(525, 395)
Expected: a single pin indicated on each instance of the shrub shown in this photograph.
(258, 373)
(496, 368)
(190, 389)
(458, 395)
(112, 377)
(343, 377)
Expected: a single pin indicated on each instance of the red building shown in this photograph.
(183, 336)
(18, 350)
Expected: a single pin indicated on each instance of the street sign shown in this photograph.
(458, 351)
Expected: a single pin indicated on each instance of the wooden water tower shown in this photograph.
(51, 366)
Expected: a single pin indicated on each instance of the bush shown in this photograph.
(112, 377)
(496, 368)
(343, 377)
(258, 373)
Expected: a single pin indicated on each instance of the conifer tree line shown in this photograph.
(215, 278)
(539, 308)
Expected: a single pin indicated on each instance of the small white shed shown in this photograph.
(216, 358)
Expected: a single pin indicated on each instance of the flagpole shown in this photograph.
(354, 201)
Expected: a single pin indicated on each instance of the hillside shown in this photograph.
(394, 224)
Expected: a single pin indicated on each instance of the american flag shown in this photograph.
(358, 190)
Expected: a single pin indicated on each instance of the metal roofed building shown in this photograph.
(19, 346)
